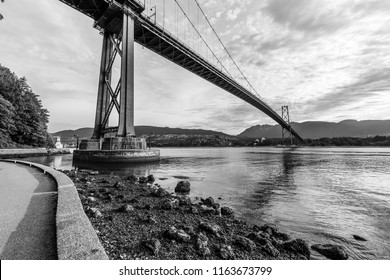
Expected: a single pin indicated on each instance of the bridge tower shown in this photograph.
(286, 118)
(121, 45)
(117, 27)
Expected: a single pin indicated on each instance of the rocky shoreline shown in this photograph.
(136, 218)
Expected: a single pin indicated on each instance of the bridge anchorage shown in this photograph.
(117, 26)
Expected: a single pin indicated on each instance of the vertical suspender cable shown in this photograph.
(163, 14)
(242, 74)
(188, 23)
(212, 53)
(197, 14)
(176, 20)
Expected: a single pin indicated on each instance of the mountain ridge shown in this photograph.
(321, 129)
(309, 129)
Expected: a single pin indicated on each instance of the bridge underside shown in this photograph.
(108, 17)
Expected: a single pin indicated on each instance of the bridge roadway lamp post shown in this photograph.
(124, 146)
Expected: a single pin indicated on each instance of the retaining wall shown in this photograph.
(18, 153)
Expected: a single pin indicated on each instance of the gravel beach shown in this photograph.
(136, 218)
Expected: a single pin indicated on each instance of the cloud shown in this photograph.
(325, 59)
(369, 85)
(232, 14)
(310, 16)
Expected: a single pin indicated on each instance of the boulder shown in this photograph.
(282, 236)
(95, 213)
(182, 236)
(331, 251)
(270, 249)
(103, 190)
(359, 238)
(80, 191)
(244, 243)
(202, 245)
(226, 211)
(273, 231)
(258, 238)
(118, 185)
(132, 178)
(207, 210)
(134, 200)
(142, 179)
(269, 229)
(183, 187)
(210, 228)
(297, 246)
(158, 192)
(169, 204)
(178, 235)
(189, 229)
(126, 208)
(194, 210)
(208, 201)
(150, 178)
(153, 245)
(226, 252)
(151, 220)
(91, 199)
(184, 200)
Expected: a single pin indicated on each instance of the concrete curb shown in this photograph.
(76, 238)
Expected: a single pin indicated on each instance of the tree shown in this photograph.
(23, 120)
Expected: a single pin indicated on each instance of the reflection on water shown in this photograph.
(324, 195)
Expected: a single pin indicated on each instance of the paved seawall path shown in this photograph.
(41, 216)
(28, 201)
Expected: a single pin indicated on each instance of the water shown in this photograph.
(323, 195)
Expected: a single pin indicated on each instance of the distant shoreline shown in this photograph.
(38, 152)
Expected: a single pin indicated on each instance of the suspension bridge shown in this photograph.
(180, 32)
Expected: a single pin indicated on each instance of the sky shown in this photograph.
(328, 60)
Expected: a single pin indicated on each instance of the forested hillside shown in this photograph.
(23, 120)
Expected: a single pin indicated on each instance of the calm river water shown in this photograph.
(323, 195)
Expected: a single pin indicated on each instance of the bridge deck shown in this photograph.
(108, 16)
